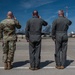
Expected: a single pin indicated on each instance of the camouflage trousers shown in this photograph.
(9, 48)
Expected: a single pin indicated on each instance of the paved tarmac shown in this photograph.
(21, 59)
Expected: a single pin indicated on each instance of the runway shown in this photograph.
(47, 66)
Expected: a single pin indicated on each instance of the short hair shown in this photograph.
(10, 13)
(35, 12)
(61, 12)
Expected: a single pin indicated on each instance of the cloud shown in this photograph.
(35, 3)
(48, 19)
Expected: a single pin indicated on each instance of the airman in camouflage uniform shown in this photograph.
(8, 36)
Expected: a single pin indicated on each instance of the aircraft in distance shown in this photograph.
(45, 31)
(71, 34)
(20, 32)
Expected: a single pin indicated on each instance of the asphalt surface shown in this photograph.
(21, 59)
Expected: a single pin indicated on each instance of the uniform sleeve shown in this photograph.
(53, 29)
(17, 24)
(69, 22)
(1, 31)
(44, 22)
(27, 30)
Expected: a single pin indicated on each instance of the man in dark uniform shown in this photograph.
(33, 35)
(59, 35)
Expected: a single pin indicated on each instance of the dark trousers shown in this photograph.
(61, 50)
(34, 52)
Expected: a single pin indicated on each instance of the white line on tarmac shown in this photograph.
(69, 67)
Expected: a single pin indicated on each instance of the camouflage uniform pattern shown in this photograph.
(8, 35)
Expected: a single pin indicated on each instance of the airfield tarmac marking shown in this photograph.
(69, 67)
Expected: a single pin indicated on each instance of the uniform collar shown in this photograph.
(9, 18)
(35, 17)
(61, 16)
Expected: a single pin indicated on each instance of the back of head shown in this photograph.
(61, 13)
(10, 14)
(35, 13)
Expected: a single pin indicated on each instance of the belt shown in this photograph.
(61, 31)
(35, 33)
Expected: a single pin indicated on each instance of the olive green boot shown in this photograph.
(5, 66)
(9, 65)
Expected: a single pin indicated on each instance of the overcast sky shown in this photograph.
(47, 9)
